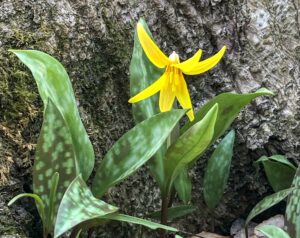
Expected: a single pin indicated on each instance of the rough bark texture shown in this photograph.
(94, 40)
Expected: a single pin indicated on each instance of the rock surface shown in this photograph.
(94, 39)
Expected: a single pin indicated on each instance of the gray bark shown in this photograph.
(94, 40)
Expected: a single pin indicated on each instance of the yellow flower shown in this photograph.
(172, 83)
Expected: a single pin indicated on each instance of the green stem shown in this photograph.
(164, 214)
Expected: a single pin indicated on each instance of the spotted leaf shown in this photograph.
(188, 147)
(142, 74)
(79, 205)
(217, 171)
(292, 213)
(54, 156)
(134, 149)
(80, 208)
(268, 202)
(53, 82)
(230, 104)
(183, 185)
(280, 172)
(271, 231)
(138, 221)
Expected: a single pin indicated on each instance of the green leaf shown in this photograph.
(54, 154)
(272, 231)
(79, 205)
(280, 172)
(135, 148)
(268, 202)
(52, 201)
(38, 201)
(292, 212)
(282, 159)
(142, 74)
(230, 104)
(217, 171)
(188, 147)
(53, 82)
(174, 212)
(183, 186)
(80, 208)
(139, 221)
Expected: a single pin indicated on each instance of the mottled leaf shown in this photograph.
(292, 212)
(268, 202)
(142, 74)
(79, 205)
(174, 212)
(230, 104)
(139, 221)
(280, 172)
(135, 148)
(54, 154)
(217, 171)
(80, 208)
(188, 147)
(272, 231)
(53, 205)
(183, 186)
(53, 82)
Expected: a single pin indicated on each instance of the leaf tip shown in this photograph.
(265, 91)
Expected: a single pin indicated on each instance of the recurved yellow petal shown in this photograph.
(207, 64)
(167, 95)
(154, 54)
(148, 92)
(183, 97)
(189, 64)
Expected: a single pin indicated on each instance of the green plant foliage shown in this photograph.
(230, 104)
(55, 154)
(268, 202)
(38, 201)
(175, 212)
(53, 82)
(79, 205)
(189, 146)
(217, 171)
(272, 231)
(142, 74)
(134, 149)
(292, 213)
(280, 172)
(183, 186)
(53, 202)
(138, 221)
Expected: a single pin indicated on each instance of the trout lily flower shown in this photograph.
(172, 83)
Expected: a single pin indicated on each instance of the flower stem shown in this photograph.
(164, 214)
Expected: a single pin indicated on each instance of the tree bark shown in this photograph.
(94, 40)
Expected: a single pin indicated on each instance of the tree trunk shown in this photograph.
(94, 40)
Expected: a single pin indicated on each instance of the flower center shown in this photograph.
(174, 58)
